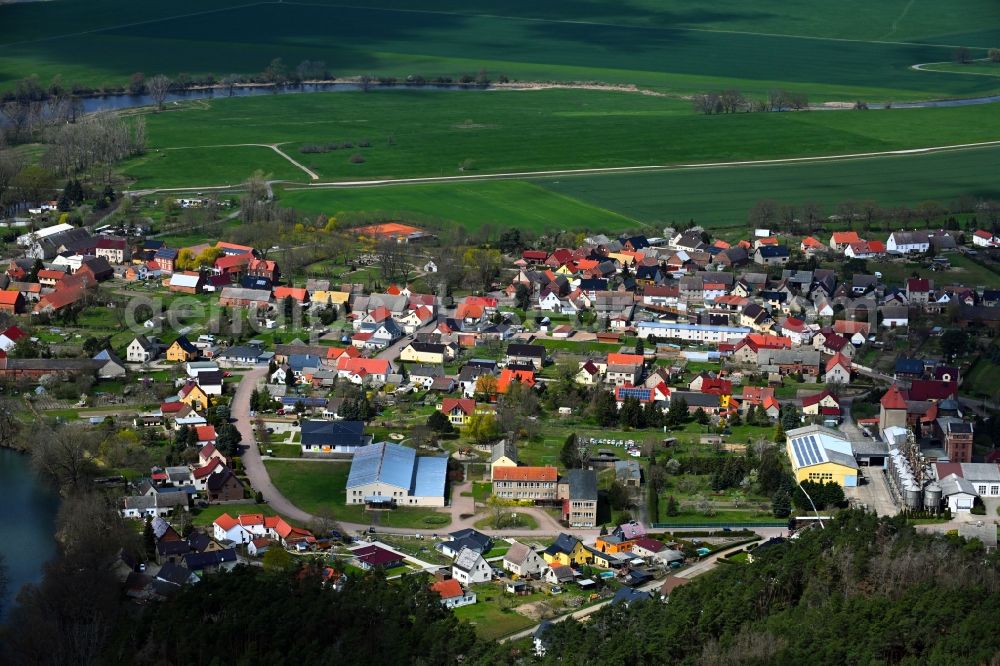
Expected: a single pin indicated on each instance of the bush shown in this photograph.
(357, 158)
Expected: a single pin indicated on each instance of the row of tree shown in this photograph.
(733, 101)
(809, 216)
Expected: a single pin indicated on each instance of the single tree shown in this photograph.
(159, 87)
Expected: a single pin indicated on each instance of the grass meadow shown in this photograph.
(721, 197)
(407, 133)
(498, 204)
(671, 45)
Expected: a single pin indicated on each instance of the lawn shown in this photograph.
(313, 486)
(722, 196)
(208, 515)
(523, 521)
(733, 517)
(415, 134)
(670, 45)
(492, 622)
(496, 204)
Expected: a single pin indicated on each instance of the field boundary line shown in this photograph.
(80, 33)
(273, 146)
(540, 175)
(648, 167)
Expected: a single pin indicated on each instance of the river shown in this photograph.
(27, 522)
(124, 101)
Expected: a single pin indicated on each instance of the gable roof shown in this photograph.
(547, 473)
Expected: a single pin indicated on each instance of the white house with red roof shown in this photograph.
(841, 239)
(363, 370)
(823, 403)
(248, 526)
(208, 453)
(838, 369)
(452, 594)
(206, 436)
(983, 238)
(9, 337)
(797, 330)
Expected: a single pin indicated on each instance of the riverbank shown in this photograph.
(30, 508)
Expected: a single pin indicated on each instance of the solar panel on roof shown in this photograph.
(798, 453)
(814, 450)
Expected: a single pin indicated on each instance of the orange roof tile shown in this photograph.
(525, 474)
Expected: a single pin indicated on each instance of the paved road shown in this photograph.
(252, 463)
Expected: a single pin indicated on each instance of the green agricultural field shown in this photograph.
(979, 67)
(670, 45)
(422, 134)
(497, 204)
(318, 486)
(721, 197)
(184, 167)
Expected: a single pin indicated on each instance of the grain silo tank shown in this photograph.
(932, 497)
(913, 496)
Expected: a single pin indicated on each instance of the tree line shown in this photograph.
(863, 214)
(734, 101)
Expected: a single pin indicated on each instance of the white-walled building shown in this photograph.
(691, 332)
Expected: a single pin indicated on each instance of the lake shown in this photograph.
(28, 509)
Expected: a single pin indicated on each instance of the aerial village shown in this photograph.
(599, 424)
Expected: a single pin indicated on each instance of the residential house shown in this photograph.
(525, 354)
(470, 567)
(907, 242)
(375, 557)
(789, 361)
(894, 316)
(458, 410)
(566, 550)
(193, 395)
(141, 350)
(771, 255)
(452, 594)
(182, 350)
(521, 560)
(841, 239)
(823, 403)
(425, 352)
(321, 437)
(983, 238)
(838, 370)
(224, 486)
(465, 539)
